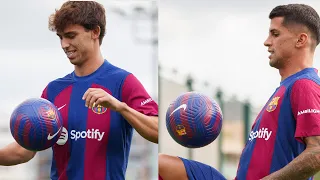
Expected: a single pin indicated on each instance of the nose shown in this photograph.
(64, 43)
(267, 42)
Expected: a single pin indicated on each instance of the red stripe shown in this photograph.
(62, 152)
(261, 158)
(16, 127)
(26, 130)
(254, 123)
(209, 114)
(95, 160)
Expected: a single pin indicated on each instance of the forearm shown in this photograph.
(304, 166)
(146, 126)
(14, 154)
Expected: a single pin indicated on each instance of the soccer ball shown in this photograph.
(36, 124)
(194, 120)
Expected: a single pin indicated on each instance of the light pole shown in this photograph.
(189, 84)
(147, 15)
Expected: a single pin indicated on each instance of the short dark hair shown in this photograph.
(88, 14)
(299, 14)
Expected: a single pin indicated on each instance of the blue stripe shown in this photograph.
(286, 147)
(77, 115)
(118, 147)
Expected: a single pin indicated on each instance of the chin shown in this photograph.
(74, 61)
(275, 64)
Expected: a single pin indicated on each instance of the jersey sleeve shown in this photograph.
(305, 104)
(136, 97)
(44, 94)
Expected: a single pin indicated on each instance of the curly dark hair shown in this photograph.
(88, 14)
(299, 14)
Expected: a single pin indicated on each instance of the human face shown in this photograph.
(280, 42)
(77, 43)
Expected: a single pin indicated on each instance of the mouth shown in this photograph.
(71, 54)
(271, 53)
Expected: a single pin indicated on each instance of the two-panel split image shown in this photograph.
(160, 90)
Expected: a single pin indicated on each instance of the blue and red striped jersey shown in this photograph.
(291, 114)
(95, 143)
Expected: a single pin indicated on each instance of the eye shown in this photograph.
(275, 34)
(70, 36)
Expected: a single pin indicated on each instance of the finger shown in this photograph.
(105, 99)
(94, 98)
(87, 92)
(101, 100)
(89, 95)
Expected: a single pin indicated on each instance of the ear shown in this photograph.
(302, 41)
(96, 32)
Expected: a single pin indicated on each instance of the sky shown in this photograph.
(31, 55)
(222, 42)
(216, 41)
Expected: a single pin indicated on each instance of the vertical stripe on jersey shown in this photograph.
(59, 163)
(95, 151)
(288, 147)
(118, 147)
(263, 149)
(78, 114)
(246, 154)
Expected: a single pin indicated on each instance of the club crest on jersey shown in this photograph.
(99, 109)
(273, 104)
(181, 130)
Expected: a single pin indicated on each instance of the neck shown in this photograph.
(89, 66)
(295, 65)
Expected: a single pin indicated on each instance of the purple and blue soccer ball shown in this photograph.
(194, 120)
(36, 124)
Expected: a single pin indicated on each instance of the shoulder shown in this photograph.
(116, 73)
(56, 86)
(59, 82)
(305, 85)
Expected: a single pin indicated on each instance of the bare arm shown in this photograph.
(146, 126)
(302, 167)
(14, 154)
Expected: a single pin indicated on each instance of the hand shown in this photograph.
(97, 96)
